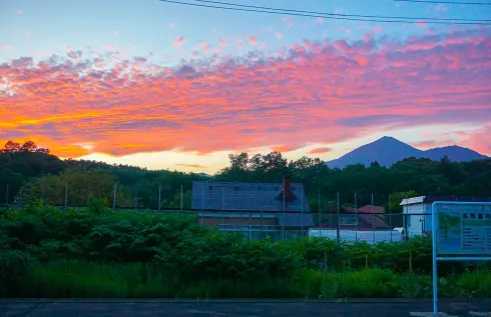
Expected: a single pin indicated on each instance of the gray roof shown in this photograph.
(233, 196)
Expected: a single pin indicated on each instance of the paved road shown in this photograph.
(230, 309)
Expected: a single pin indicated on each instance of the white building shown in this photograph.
(417, 211)
(417, 215)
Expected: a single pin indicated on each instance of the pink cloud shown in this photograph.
(319, 20)
(224, 104)
(178, 41)
(223, 43)
(320, 150)
(252, 40)
(205, 46)
(278, 35)
(377, 29)
(172, 25)
(421, 24)
(116, 33)
(110, 47)
(20, 11)
(7, 46)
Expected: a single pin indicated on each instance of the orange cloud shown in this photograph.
(179, 41)
(315, 92)
(285, 148)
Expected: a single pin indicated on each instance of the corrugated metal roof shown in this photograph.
(432, 199)
(412, 200)
(235, 196)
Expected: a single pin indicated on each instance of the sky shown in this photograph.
(169, 86)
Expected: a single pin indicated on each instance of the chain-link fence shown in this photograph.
(373, 219)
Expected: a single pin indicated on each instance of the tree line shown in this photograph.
(31, 174)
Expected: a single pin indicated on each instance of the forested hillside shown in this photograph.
(37, 174)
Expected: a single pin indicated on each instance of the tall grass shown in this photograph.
(80, 279)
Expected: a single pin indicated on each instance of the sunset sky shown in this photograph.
(165, 85)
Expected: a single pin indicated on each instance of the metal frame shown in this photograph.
(436, 258)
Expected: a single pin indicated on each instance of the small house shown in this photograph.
(256, 209)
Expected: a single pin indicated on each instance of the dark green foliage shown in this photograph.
(14, 266)
(98, 252)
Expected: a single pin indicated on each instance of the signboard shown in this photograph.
(463, 229)
(460, 232)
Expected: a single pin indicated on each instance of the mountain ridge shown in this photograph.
(388, 150)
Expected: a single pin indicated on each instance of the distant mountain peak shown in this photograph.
(388, 150)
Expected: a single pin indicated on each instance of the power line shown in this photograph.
(447, 2)
(338, 14)
(322, 16)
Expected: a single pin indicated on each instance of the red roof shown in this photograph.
(369, 209)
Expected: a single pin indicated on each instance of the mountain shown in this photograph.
(388, 150)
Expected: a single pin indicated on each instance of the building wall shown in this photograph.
(419, 218)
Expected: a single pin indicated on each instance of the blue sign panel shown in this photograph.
(463, 229)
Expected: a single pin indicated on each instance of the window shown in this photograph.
(348, 220)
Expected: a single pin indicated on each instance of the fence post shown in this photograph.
(405, 220)
(284, 214)
(356, 217)
(66, 196)
(114, 197)
(373, 218)
(160, 196)
(182, 197)
(338, 233)
(390, 220)
(302, 215)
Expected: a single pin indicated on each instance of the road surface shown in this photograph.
(86, 308)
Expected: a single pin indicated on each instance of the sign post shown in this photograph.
(461, 231)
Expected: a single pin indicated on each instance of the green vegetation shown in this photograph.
(95, 252)
(44, 176)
